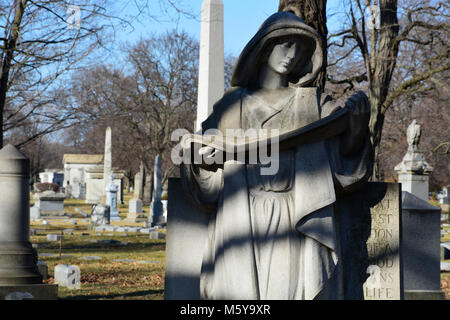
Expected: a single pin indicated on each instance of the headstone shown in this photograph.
(35, 213)
(21, 273)
(156, 207)
(135, 204)
(68, 276)
(211, 59)
(50, 203)
(421, 250)
(157, 235)
(385, 280)
(413, 172)
(54, 237)
(111, 199)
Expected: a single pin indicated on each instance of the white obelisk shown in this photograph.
(107, 160)
(211, 80)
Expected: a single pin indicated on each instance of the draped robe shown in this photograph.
(274, 236)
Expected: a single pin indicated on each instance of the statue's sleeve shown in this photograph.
(352, 169)
(204, 186)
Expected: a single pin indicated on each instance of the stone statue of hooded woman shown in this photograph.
(277, 236)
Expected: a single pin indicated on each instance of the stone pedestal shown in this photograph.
(18, 260)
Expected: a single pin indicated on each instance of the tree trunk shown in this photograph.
(314, 14)
(10, 46)
(380, 74)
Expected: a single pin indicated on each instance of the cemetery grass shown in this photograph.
(131, 267)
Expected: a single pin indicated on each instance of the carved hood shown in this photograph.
(281, 24)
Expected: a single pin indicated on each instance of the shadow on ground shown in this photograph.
(112, 296)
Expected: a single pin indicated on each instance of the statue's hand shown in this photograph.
(358, 121)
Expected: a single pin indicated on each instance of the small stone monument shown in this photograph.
(443, 197)
(413, 172)
(156, 207)
(68, 276)
(135, 204)
(18, 259)
(50, 203)
(111, 199)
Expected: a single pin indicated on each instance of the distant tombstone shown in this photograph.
(53, 237)
(68, 276)
(135, 204)
(444, 195)
(111, 199)
(421, 248)
(50, 203)
(156, 235)
(156, 211)
(35, 213)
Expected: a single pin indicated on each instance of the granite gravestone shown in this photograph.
(50, 203)
(421, 248)
(111, 199)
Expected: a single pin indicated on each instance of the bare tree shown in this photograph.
(41, 42)
(377, 39)
(154, 94)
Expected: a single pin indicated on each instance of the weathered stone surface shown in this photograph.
(385, 280)
(134, 207)
(186, 229)
(17, 257)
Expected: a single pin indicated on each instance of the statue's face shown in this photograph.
(285, 56)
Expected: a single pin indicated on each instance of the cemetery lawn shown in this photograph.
(113, 266)
(132, 268)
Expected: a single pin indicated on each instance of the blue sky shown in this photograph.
(242, 19)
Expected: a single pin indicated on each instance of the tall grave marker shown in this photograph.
(211, 66)
(18, 260)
